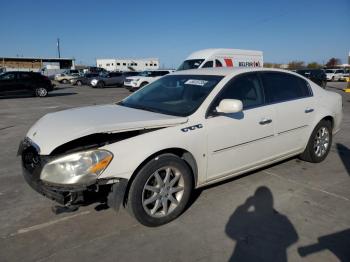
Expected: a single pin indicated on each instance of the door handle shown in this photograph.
(309, 110)
(265, 121)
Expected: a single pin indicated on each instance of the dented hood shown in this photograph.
(58, 128)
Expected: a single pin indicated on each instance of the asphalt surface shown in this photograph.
(290, 211)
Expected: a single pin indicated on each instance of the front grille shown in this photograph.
(128, 80)
(32, 164)
(31, 159)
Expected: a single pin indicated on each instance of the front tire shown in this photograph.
(79, 83)
(41, 92)
(143, 84)
(319, 143)
(64, 81)
(160, 191)
(100, 85)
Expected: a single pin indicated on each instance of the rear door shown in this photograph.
(293, 101)
(26, 82)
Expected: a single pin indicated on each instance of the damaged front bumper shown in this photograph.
(110, 192)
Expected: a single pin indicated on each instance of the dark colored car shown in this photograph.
(317, 76)
(84, 80)
(98, 70)
(12, 83)
(111, 79)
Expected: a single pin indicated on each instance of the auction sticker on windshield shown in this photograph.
(196, 82)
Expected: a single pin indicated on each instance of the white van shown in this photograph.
(221, 57)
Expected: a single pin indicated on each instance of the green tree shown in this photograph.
(314, 65)
(296, 64)
(272, 65)
(268, 65)
(333, 62)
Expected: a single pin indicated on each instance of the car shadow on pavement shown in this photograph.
(344, 154)
(337, 243)
(31, 96)
(260, 232)
(61, 94)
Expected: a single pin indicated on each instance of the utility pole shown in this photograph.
(58, 48)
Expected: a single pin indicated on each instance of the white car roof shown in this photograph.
(226, 71)
(221, 51)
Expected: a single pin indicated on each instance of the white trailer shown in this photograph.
(221, 57)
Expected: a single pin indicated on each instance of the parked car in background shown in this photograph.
(64, 78)
(84, 80)
(98, 70)
(334, 74)
(221, 57)
(111, 79)
(135, 82)
(345, 76)
(317, 76)
(184, 131)
(12, 83)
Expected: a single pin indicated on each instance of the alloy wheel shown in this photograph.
(41, 92)
(321, 142)
(163, 191)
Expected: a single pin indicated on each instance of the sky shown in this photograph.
(307, 30)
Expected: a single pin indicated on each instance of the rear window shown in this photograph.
(115, 74)
(161, 73)
(281, 87)
(131, 73)
(25, 76)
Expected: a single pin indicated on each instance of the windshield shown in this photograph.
(178, 95)
(190, 64)
(330, 71)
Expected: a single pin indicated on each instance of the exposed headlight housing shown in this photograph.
(80, 168)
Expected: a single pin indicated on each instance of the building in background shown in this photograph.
(47, 66)
(128, 64)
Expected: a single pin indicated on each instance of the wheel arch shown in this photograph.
(328, 118)
(180, 152)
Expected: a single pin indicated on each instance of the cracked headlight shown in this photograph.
(80, 168)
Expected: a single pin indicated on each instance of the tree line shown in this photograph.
(333, 62)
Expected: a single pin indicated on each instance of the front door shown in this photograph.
(8, 83)
(241, 140)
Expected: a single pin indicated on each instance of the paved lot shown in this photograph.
(311, 206)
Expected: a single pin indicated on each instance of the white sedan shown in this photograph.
(186, 130)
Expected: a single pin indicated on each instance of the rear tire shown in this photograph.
(41, 92)
(319, 143)
(160, 190)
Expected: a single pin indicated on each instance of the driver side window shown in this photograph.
(246, 88)
(208, 64)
